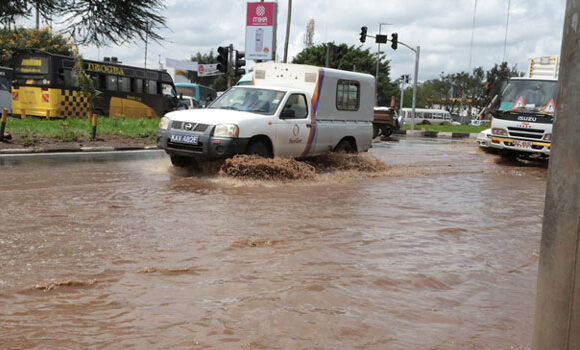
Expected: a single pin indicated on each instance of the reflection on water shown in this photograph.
(437, 250)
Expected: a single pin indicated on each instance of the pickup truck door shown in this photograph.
(293, 126)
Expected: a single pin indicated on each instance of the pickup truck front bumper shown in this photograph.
(205, 148)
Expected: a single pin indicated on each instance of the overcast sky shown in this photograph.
(442, 28)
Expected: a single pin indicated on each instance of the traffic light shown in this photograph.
(223, 59)
(363, 34)
(394, 40)
(239, 62)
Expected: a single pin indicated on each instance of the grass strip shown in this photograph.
(80, 129)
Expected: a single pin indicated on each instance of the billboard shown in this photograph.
(260, 30)
(207, 70)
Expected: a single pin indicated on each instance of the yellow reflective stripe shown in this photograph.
(541, 144)
(502, 140)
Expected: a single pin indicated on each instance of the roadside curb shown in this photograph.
(11, 151)
(434, 134)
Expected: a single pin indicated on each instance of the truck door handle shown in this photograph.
(308, 125)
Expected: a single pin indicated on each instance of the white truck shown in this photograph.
(522, 121)
(288, 111)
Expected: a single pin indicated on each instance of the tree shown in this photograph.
(457, 91)
(98, 22)
(85, 82)
(497, 76)
(23, 39)
(351, 58)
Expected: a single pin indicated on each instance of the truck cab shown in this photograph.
(522, 124)
(522, 121)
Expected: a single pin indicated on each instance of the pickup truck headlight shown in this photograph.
(499, 131)
(226, 130)
(164, 123)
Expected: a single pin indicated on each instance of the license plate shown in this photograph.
(523, 144)
(189, 139)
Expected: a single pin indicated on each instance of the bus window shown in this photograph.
(111, 83)
(4, 84)
(151, 87)
(137, 85)
(70, 79)
(95, 79)
(124, 84)
(168, 90)
(101, 82)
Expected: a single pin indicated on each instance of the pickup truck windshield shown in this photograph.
(531, 95)
(261, 101)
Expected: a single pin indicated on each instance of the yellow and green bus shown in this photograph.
(45, 85)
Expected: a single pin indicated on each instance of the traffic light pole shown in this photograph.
(230, 68)
(402, 92)
(417, 51)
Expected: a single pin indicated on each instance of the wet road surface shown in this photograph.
(438, 252)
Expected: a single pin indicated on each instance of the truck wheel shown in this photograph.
(258, 148)
(387, 131)
(181, 161)
(376, 131)
(344, 146)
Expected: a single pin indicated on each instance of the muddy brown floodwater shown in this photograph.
(437, 251)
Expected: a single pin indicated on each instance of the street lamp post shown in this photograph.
(417, 52)
(404, 78)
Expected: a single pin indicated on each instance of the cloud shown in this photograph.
(442, 28)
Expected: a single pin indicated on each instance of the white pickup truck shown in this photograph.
(288, 111)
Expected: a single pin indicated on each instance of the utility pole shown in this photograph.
(37, 17)
(417, 52)
(287, 31)
(557, 314)
(146, 34)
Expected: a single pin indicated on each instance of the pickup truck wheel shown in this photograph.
(387, 131)
(344, 146)
(376, 131)
(181, 161)
(258, 148)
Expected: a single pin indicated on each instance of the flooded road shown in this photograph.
(437, 252)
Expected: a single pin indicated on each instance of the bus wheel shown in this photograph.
(376, 131)
(180, 161)
(344, 146)
(259, 149)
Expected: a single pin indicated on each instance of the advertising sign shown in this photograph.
(261, 30)
(206, 70)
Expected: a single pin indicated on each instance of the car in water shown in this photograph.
(484, 138)
(386, 121)
(188, 102)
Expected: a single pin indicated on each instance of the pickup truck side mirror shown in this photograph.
(288, 113)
